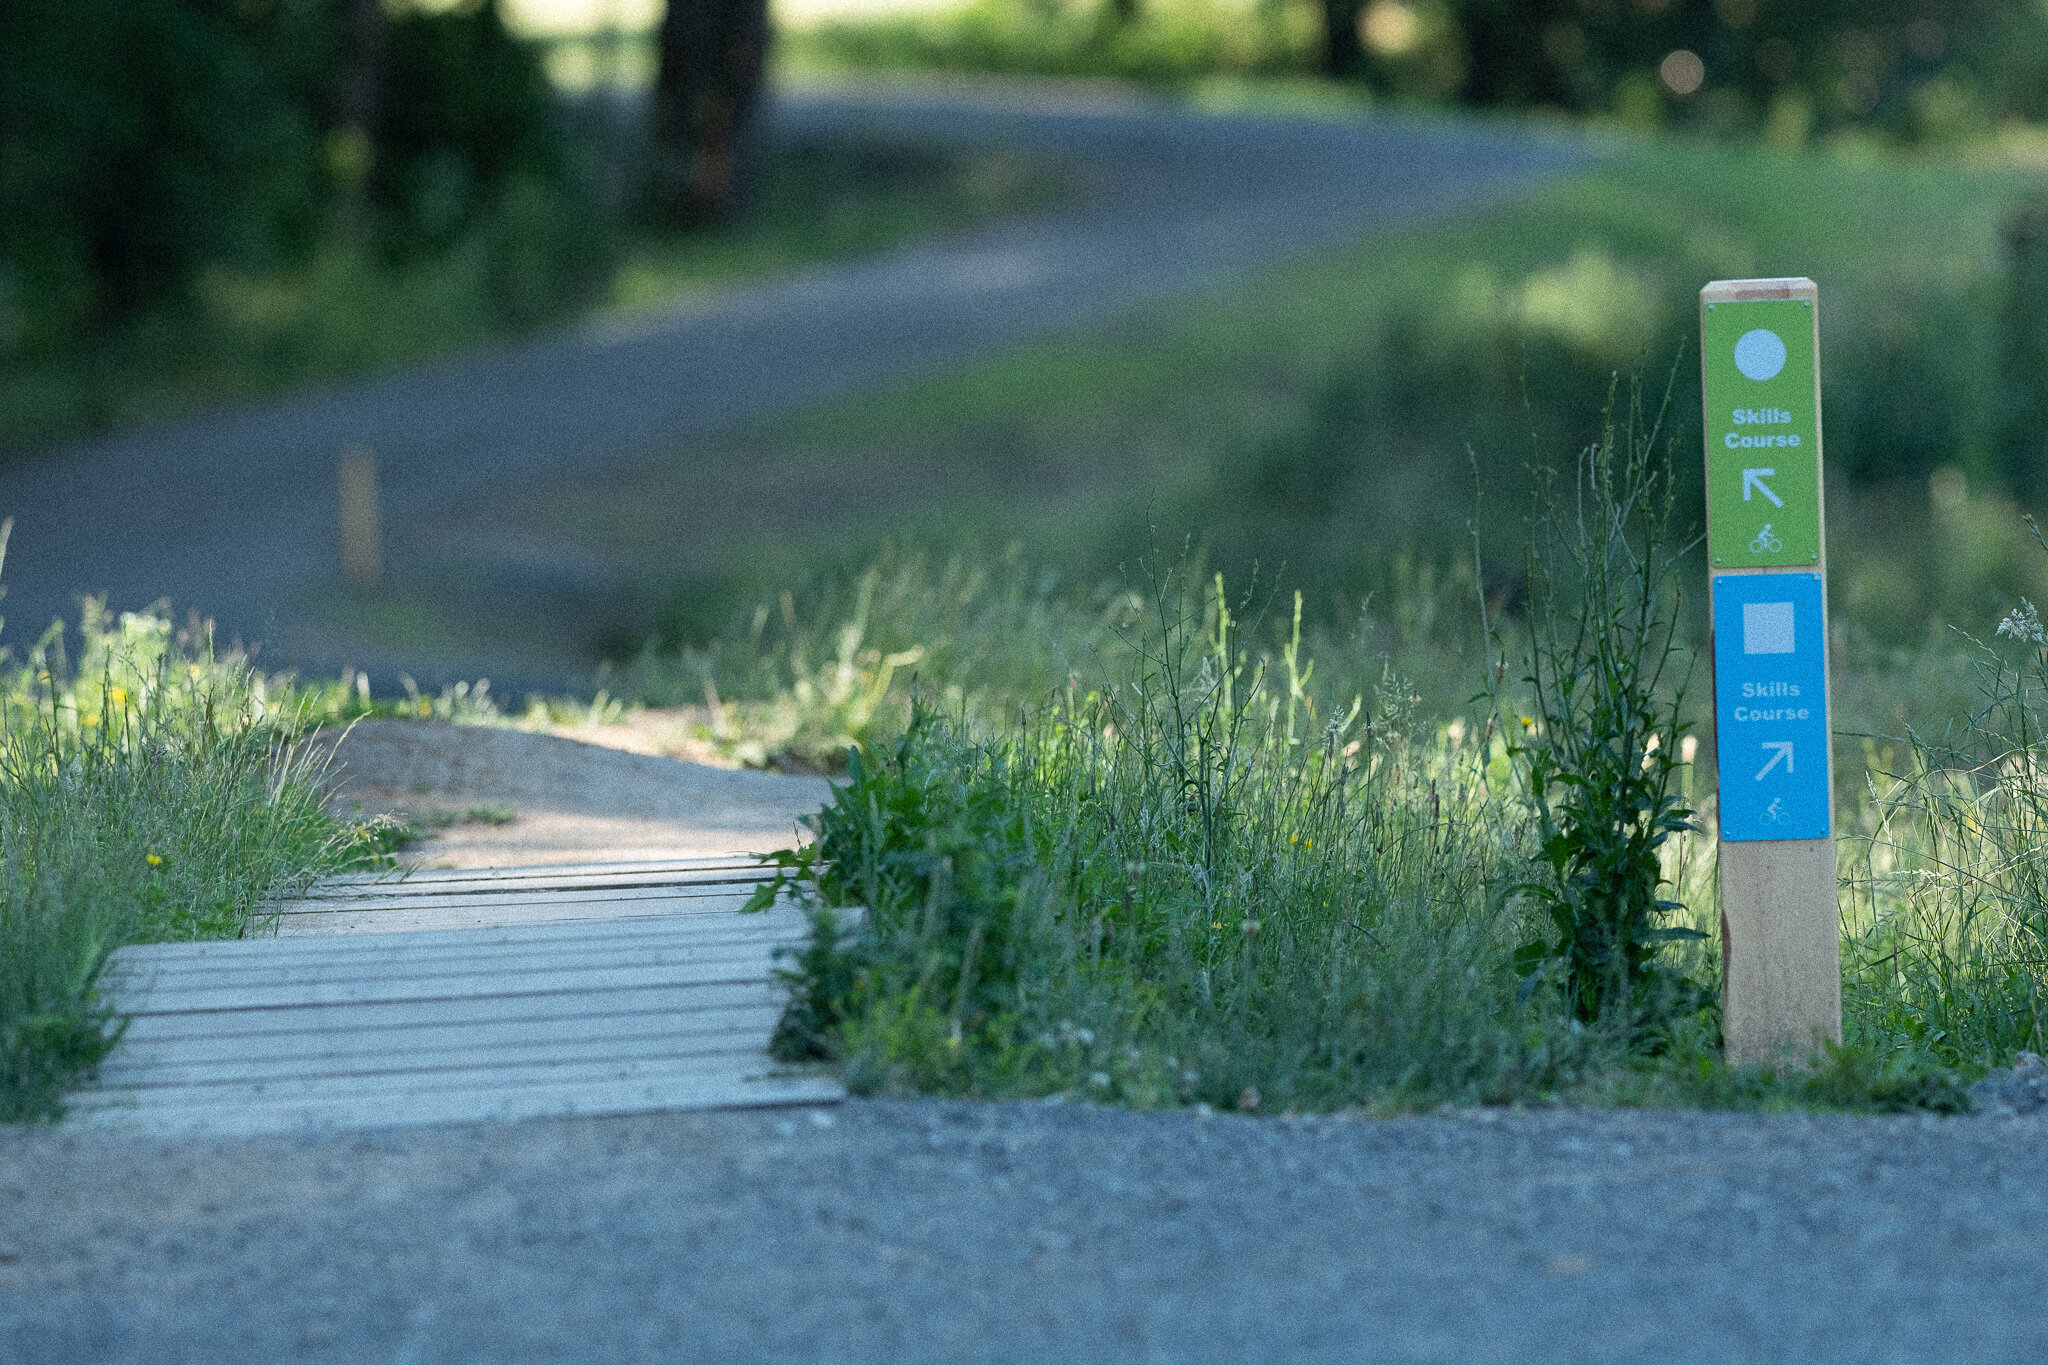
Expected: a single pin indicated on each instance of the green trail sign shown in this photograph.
(1757, 366)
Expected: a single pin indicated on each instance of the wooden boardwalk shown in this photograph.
(509, 993)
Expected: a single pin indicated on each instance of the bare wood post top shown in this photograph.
(361, 553)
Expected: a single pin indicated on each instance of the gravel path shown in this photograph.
(234, 514)
(556, 799)
(941, 1232)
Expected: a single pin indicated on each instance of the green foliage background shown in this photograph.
(1910, 70)
(143, 140)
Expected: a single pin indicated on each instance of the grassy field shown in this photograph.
(1151, 859)
(1089, 857)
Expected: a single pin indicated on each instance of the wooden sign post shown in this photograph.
(356, 479)
(1767, 552)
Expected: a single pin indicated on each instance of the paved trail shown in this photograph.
(235, 514)
(960, 1233)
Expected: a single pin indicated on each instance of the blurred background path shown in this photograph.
(235, 515)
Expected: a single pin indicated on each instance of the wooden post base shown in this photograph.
(1781, 992)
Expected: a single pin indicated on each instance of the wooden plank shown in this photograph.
(462, 999)
(383, 921)
(315, 989)
(416, 921)
(314, 994)
(734, 894)
(299, 924)
(581, 1099)
(673, 1070)
(414, 942)
(483, 897)
(142, 975)
(471, 893)
(543, 871)
(248, 1028)
(428, 921)
(409, 894)
(428, 1035)
(735, 1033)
(628, 931)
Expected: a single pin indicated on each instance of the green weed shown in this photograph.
(154, 791)
(1600, 758)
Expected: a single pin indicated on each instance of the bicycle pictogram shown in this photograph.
(1765, 542)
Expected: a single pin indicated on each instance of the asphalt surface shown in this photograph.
(909, 1232)
(235, 515)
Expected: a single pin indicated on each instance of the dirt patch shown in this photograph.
(506, 798)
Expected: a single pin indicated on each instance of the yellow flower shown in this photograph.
(117, 696)
(90, 719)
(155, 861)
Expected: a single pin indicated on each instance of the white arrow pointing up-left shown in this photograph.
(1784, 754)
(1754, 479)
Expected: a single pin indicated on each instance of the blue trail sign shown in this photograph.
(1771, 705)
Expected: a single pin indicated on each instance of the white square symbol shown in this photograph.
(1767, 628)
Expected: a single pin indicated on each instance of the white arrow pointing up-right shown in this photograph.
(1784, 754)
(1754, 479)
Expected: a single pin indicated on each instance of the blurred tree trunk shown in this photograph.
(360, 103)
(705, 95)
(1343, 53)
(2023, 347)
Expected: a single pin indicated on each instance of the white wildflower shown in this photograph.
(2024, 623)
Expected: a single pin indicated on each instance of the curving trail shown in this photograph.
(234, 515)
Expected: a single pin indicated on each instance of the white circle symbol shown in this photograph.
(1760, 354)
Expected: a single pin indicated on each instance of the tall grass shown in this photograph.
(800, 677)
(1194, 870)
(1203, 877)
(1948, 907)
(1197, 881)
(153, 791)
